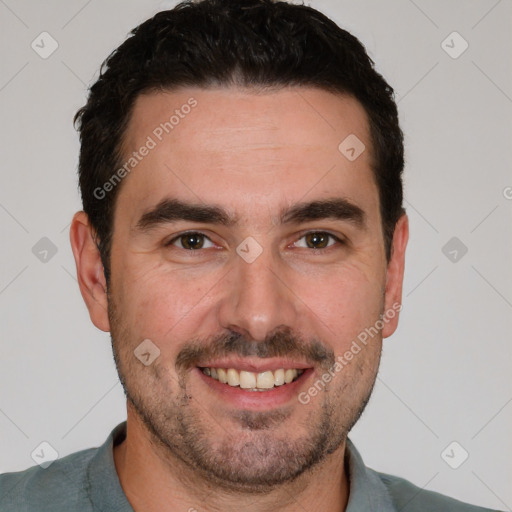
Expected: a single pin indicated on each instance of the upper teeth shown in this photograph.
(251, 380)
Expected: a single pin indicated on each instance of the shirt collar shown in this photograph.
(105, 491)
(367, 491)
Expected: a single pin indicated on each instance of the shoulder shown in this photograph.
(407, 497)
(62, 486)
(372, 490)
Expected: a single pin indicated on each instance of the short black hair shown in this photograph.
(247, 43)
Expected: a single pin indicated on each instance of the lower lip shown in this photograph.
(257, 400)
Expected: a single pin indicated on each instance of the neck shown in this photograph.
(151, 483)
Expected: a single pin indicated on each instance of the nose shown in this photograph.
(257, 298)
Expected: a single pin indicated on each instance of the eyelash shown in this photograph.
(198, 233)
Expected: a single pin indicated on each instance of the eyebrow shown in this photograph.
(171, 210)
(337, 208)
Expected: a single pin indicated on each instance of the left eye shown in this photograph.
(317, 240)
(192, 241)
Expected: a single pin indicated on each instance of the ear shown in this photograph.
(395, 276)
(89, 268)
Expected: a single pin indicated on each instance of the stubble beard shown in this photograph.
(251, 458)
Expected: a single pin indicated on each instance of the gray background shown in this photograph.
(445, 374)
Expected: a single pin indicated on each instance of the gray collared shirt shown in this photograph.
(87, 481)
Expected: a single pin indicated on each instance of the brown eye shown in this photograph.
(191, 241)
(318, 240)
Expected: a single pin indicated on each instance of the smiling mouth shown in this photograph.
(251, 381)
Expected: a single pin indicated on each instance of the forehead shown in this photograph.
(223, 118)
(245, 148)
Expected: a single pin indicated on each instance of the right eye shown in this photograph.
(191, 241)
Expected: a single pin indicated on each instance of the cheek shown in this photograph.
(158, 303)
(345, 302)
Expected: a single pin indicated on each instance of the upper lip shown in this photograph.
(255, 365)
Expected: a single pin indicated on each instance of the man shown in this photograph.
(243, 241)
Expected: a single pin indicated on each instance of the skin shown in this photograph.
(252, 154)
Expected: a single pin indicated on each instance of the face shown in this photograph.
(249, 250)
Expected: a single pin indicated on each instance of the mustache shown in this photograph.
(282, 342)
